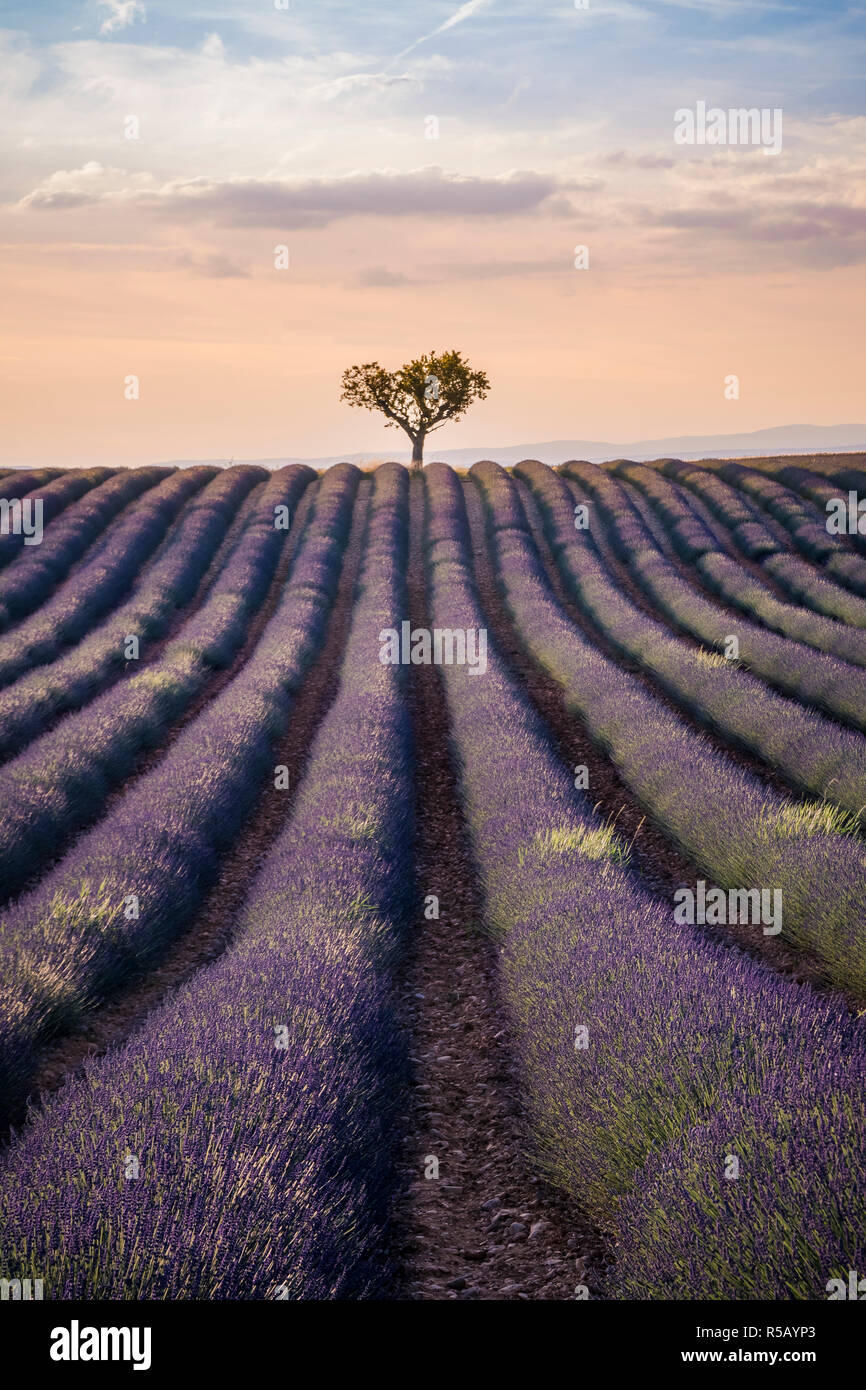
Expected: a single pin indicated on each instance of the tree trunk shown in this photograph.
(418, 451)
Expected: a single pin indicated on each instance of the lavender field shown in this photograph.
(434, 885)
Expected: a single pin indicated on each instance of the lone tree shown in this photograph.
(420, 397)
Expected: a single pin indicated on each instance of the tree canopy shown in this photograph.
(420, 397)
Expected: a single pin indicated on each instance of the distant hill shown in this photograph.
(781, 439)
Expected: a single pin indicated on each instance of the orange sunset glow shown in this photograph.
(431, 183)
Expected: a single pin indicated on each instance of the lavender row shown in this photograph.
(806, 524)
(194, 544)
(738, 587)
(802, 484)
(62, 780)
(739, 518)
(785, 1165)
(53, 498)
(171, 578)
(634, 1033)
(754, 538)
(813, 678)
(814, 755)
(102, 580)
(824, 634)
(259, 1104)
(818, 592)
(132, 883)
(738, 832)
(19, 482)
(32, 576)
(690, 536)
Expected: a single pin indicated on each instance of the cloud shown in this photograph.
(252, 202)
(213, 47)
(215, 265)
(729, 207)
(122, 14)
(458, 17)
(502, 270)
(639, 161)
(92, 183)
(438, 273)
(820, 234)
(465, 12)
(358, 83)
(377, 276)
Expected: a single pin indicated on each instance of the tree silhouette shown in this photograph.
(419, 398)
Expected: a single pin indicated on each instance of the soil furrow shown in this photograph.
(661, 865)
(211, 932)
(150, 756)
(743, 758)
(226, 674)
(686, 571)
(728, 541)
(690, 576)
(486, 1227)
(154, 650)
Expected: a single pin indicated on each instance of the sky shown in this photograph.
(431, 170)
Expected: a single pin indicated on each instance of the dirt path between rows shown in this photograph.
(661, 866)
(742, 757)
(211, 931)
(154, 649)
(486, 1228)
(617, 569)
(780, 533)
(657, 528)
(691, 577)
(226, 674)
(150, 755)
(726, 538)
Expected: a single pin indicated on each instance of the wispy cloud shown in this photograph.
(215, 265)
(429, 192)
(438, 273)
(259, 127)
(122, 14)
(818, 231)
(639, 161)
(465, 12)
(380, 277)
(359, 82)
